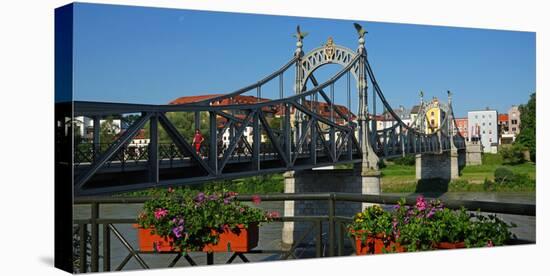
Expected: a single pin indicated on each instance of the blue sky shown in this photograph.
(153, 55)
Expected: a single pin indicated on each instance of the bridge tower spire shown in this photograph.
(370, 159)
(299, 53)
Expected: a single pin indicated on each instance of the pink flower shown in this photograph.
(420, 203)
(256, 199)
(170, 189)
(490, 243)
(157, 246)
(241, 210)
(160, 213)
(273, 214)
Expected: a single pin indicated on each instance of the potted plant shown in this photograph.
(373, 231)
(415, 225)
(429, 225)
(487, 231)
(426, 225)
(194, 221)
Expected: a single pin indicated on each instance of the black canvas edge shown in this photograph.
(63, 175)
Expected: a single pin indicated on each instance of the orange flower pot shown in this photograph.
(450, 245)
(148, 240)
(238, 239)
(376, 245)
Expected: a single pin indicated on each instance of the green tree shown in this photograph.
(512, 155)
(185, 124)
(527, 136)
(108, 130)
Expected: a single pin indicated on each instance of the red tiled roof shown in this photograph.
(502, 117)
(192, 99)
(322, 108)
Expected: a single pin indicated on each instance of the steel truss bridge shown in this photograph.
(306, 137)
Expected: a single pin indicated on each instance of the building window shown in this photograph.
(433, 113)
(484, 132)
(490, 140)
(513, 129)
(483, 124)
(483, 116)
(476, 116)
(514, 122)
(489, 123)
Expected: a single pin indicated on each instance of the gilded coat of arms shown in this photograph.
(330, 50)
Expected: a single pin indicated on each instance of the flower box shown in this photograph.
(238, 239)
(148, 241)
(450, 245)
(375, 244)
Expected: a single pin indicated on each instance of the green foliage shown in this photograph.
(488, 185)
(460, 185)
(185, 124)
(487, 231)
(108, 130)
(489, 159)
(188, 217)
(407, 160)
(527, 136)
(507, 180)
(512, 155)
(504, 175)
(372, 221)
(415, 227)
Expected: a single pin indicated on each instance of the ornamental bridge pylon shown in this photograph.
(301, 130)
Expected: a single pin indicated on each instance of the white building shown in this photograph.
(483, 128)
(85, 126)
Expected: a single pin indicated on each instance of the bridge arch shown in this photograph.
(330, 53)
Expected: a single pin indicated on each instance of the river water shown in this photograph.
(271, 233)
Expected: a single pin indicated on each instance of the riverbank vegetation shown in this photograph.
(485, 177)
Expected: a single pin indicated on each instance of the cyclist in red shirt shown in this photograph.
(197, 140)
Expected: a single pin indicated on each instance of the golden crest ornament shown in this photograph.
(330, 49)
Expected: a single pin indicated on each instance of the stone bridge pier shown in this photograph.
(323, 181)
(446, 165)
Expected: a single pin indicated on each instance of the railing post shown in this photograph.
(331, 234)
(83, 248)
(106, 248)
(153, 150)
(256, 141)
(197, 118)
(341, 230)
(95, 238)
(313, 142)
(213, 154)
(209, 258)
(287, 133)
(319, 239)
(96, 139)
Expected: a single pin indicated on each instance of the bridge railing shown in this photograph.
(335, 236)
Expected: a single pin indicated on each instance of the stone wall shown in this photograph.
(473, 154)
(431, 166)
(323, 181)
